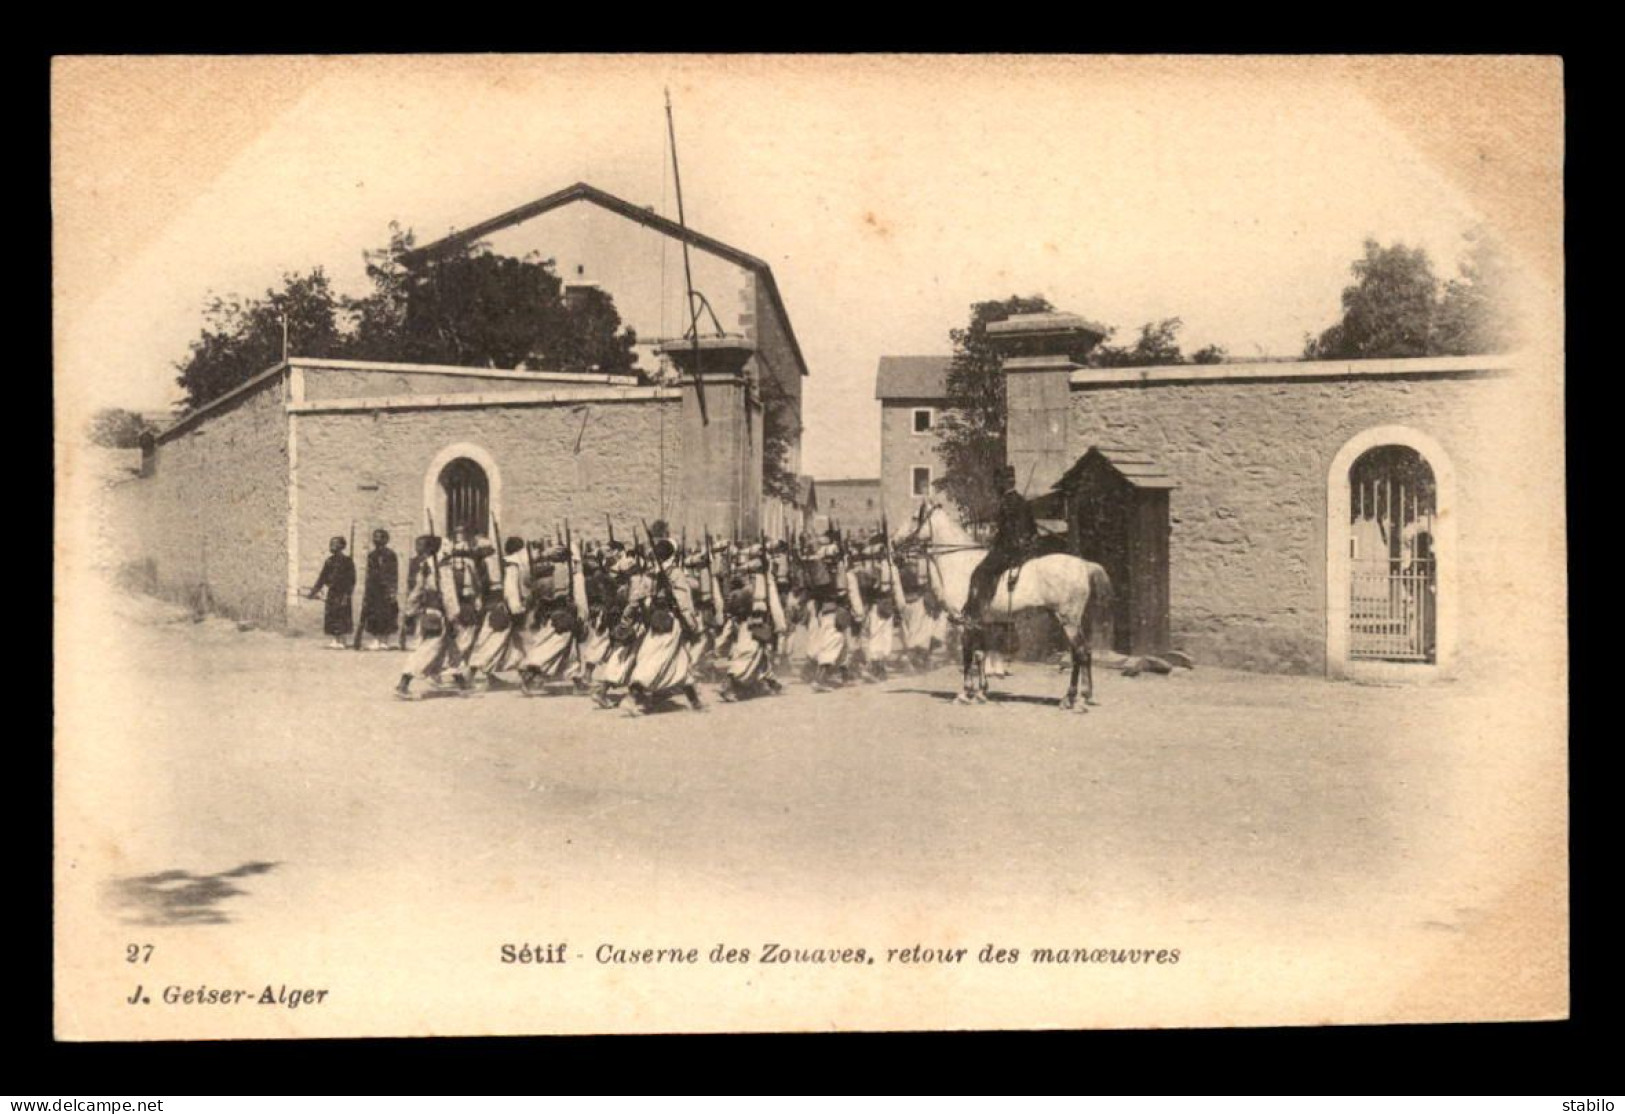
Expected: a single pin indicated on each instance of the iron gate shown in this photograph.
(1393, 589)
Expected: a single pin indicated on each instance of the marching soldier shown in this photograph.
(829, 642)
(626, 590)
(917, 623)
(468, 592)
(747, 641)
(419, 579)
(496, 649)
(664, 660)
(436, 653)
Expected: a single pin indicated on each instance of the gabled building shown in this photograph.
(913, 391)
(852, 505)
(239, 498)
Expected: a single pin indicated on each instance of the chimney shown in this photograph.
(578, 290)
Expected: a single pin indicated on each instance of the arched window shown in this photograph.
(462, 487)
(468, 497)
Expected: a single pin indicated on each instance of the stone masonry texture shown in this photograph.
(901, 451)
(215, 510)
(1248, 519)
(371, 466)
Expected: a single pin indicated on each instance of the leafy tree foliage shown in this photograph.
(1158, 343)
(1396, 306)
(971, 433)
(242, 338)
(1387, 311)
(1475, 313)
(469, 307)
(115, 428)
(781, 426)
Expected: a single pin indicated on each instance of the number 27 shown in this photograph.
(137, 953)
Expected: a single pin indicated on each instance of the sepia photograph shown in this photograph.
(570, 544)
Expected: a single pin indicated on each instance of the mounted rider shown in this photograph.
(1015, 532)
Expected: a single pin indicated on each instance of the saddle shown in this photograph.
(1041, 546)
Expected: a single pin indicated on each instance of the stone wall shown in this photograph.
(721, 460)
(853, 505)
(1248, 519)
(775, 357)
(901, 451)
(328, 382)
(214, 512)
(371, 467)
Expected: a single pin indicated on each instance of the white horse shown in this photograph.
(1075, 591)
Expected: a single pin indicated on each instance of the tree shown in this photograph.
(473, 307)
(971, 434)
(242, 338)
(1387, 311)
(781, 425)
(1396, 306)
(1475, 313)
(1157, 344)
(115, 428)
(469, 306)
(590, 338)
(1211, 354)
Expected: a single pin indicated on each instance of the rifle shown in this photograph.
(775, 606)
(611, 526)
(434, 572)
(891, 569)
(355, 643)
(663, 579)
(709, 581)
(502, 559)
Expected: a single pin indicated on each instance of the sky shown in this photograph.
(887, 194)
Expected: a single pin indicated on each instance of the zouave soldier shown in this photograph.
(419, 578)
(436, 653)
(664, 662)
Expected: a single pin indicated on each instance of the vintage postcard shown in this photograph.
(600, 544)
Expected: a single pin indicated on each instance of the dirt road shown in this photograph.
(1203, 805)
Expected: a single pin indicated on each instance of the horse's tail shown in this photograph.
(1097, 609)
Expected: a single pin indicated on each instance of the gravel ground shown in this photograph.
(1290, 813)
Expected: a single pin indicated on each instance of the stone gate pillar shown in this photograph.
(1040, 353)
(720, 484)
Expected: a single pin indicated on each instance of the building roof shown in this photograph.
(581, 191)
(1132, 465)
(1262, 371)
(850, 483)
(1044, 324)
(912, 377)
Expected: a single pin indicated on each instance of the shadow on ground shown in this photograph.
(992, 697)
(179, 897)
